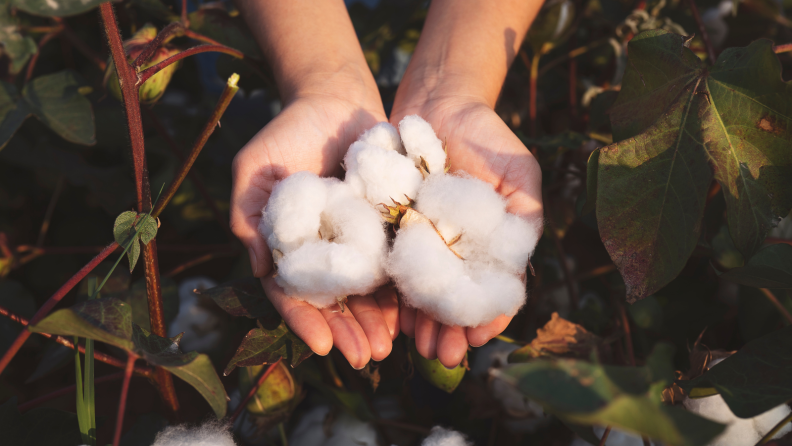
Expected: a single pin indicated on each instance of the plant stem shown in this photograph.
(34, 58)
(703, 30)
(768, 436)
(627, 332)
(64, 391)
(785, 48)
(52, 301)
(185, 249)
(130, 365)
(605, 436)
(50, 210)
(533, 66)
(253, 390)
(151, 47)
(185, 21)
(195, 262)
(282, 432)
(110, 360)
(774, 240)
(222, 104)
(774, 300)
(154, 69)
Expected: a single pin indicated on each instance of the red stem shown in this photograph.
(605, 436)
(122, 402)
(200, 37)
(785, 48)
(187, 249)
(703, 30)
(64, 391)
(773, 241)
(154, 69)
(151, 47)
(184, 19)
(52, 301)
(253, 390)
(34, 59)
(776, 303)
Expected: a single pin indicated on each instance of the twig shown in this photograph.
(403, 426)
(195, 262)
(154, 69)
(571, 55)
(768, 436)
(605, 436)
(646, 441)
(50, 210)
(785, 48)
(533, 66)
(110, 360)
(774, 300)
(253, 390)
(184, 19)
(225, 98)
(34, 58)
(627, 332)
(64, 391)
(703, 30)
(130, 364)
(52, 301)
(151, 47)
(185, 249)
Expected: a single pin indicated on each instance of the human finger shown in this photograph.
(370, 318)
(426, 331)
(388, 301)
(478, 336)
(451, 345)
(348, 336)
(302, 318)
(407, 317)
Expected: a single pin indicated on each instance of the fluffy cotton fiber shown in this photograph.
(445, 437)
(208, 434)
(739, 431)
(330, 243)
(494, 247)
(420, 142)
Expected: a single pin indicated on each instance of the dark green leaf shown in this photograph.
(264, 346)
(550, 25)
(771, 267)
(19, 48)
(59, 8)
(230, 31)
(627, 398)
(125, 231)
(106, 320)
(13, 112)
(756, 378)
(435, 372)
(679, 125)
(54, 99)
(243, 297)
(196, 369)
(352, 402)
(567, 140)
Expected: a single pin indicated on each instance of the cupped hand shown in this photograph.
(311, 133)
(481, 144)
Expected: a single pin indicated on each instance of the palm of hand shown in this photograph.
(310, 134)
(481, 144)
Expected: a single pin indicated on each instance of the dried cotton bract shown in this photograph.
(327, 243)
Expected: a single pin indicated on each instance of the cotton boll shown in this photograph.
(381, 175)
(445, 437)
(513, 241)
(293, 213)
(766, 421)
(420, 141)
(385, 136)
(345, 430)
(738, 431)
(459, 204)
(208, 434)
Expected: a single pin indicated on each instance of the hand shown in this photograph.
(312, 133)
(481, 144)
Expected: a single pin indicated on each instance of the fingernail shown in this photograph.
(253, 263)
(451, 368)
(477, 346)
(356, 367)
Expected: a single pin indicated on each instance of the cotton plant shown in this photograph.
(440, 436)
(211, 433)
(457, 255)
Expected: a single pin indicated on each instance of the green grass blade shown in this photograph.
(82, 416)
(88, 399)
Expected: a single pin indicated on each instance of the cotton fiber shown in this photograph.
(327, 242)
(385, 136)
(739, 431)
(445, 437)
(421, 143)
(209, 434)
(381, 175)
(320, 427)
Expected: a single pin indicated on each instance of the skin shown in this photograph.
(330, 97)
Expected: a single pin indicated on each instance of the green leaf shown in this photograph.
(125, 231)
(54, 99)
(756, 378)
(107, 320)
(230, 31)
(352, 402)
(264, 346)
(435, 372)
(243, 297)
(771, 267)
(59, 8)
(13, 112)
(19, 48)
(137, 298)
(679, 125)
(551, 143)
(194, 368)
(277, 394)
(627, 398)
(550, 25)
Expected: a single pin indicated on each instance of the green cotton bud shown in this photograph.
(154, 87)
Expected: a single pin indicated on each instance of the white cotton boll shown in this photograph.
(383, 135)
(513, 241)
(345, 430)
(420, 141)
(208, 434)
(766, 421)
(381, 175)
(458, 204)
(293, 212)
(445, 437)
(738, 431)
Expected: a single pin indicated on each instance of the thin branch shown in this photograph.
(570, 55)
(785, 48)
(154, 69)
(52, 301)
(253, 390)
(50, 210)
(533, 66)
(702, 30)
(184, 18)
(225, 98)
(769, 436)
(64, 391)
(130, 364)
(774, 300)
(110, 360)
(627, 332)
(605, 436)
(152, 47)
(195, 262)
(200, 37)
(34, 58)
(186, 249)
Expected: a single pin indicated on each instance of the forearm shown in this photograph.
(311, 47)
(466, 48)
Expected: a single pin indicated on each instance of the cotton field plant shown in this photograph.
(446, 223)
